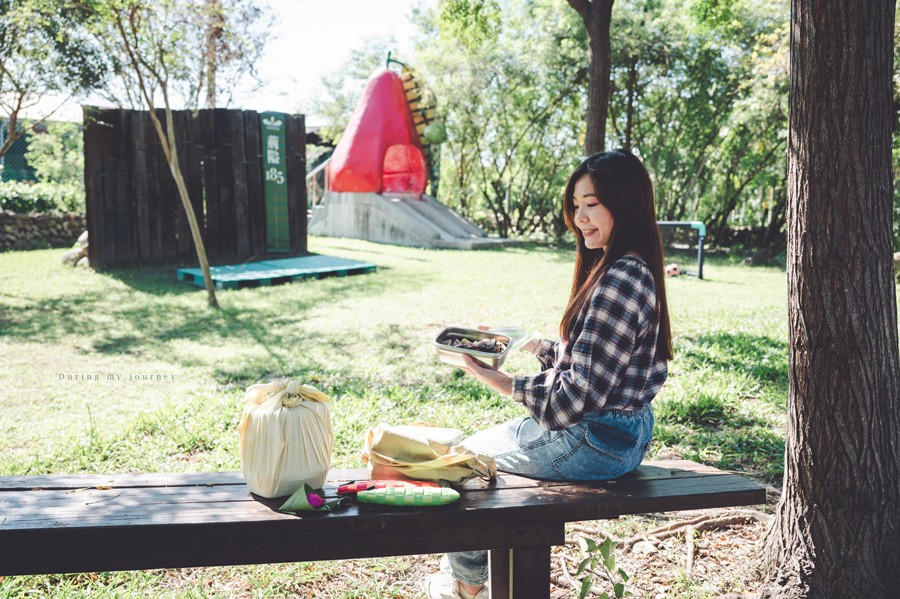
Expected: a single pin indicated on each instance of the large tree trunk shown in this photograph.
(837, 529)
(596, 15)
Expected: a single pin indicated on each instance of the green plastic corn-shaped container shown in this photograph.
(418, 496)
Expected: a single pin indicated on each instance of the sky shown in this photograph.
(315, 37)
(310, 39)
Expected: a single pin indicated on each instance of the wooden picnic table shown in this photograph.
(91, 523)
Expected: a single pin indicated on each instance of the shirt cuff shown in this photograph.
(518, 388)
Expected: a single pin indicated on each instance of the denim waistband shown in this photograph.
(625, 412)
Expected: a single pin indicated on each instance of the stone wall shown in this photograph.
(33, 231)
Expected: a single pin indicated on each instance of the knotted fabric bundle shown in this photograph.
(286, 438)
(390, 453)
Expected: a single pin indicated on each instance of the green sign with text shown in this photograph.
(278, 237)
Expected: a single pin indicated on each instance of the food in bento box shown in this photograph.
(491, 346)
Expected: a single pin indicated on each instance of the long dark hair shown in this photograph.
(623, 186)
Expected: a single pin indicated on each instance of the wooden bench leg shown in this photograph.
(498, 563)
(521, 573)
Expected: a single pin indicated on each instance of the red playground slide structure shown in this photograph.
(380, 151)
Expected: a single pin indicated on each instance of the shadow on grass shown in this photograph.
(156, 278)
(119, 321)
(760, 356)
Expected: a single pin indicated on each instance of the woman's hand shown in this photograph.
(495, 379)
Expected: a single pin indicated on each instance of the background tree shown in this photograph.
(597, 16)
(705, 105)
(512, 104)
(698, 89)
(147, 43)
(43, 54)
(229, 37)
(836, 527)
(57, 155)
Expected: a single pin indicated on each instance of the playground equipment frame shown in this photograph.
(701, 235)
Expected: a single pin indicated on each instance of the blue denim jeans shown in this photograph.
(602, 446)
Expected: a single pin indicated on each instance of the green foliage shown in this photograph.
(705, 104)
(470, 22)
(149, 48)
(57, 155)
(716, 14)
(602, 555)
(513, 111)
(23, 197)
(699, 91)
(43, 51)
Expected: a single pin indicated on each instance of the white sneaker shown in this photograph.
(443, 586)
(445, 565)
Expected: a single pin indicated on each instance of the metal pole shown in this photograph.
(700, 257)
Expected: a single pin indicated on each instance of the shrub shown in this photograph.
(22, 197)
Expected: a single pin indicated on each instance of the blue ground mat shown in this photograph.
(276, 272)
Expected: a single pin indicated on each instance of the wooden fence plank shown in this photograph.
(239, 178)
(92, 185)
(196, 155)
(151, 168)
(139, 175)
(295, 150)
(182, 230)
(256, 203)
(226, 183)
(169, 200)
(211, 184)
(112, 120)
(126, 218)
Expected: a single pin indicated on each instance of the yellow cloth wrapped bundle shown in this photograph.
(392, 453)
(286, 438)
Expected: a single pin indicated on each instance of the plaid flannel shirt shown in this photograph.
(609, 362)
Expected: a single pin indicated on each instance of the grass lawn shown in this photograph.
(128, 370)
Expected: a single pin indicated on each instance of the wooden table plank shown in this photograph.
(139, 521)
(152, 505)
(151, 479)
(128, 548)
(649, 469)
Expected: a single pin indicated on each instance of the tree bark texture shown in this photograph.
(597, 15)
(837, 529)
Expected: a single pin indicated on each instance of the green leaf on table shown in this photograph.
(306, 499)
